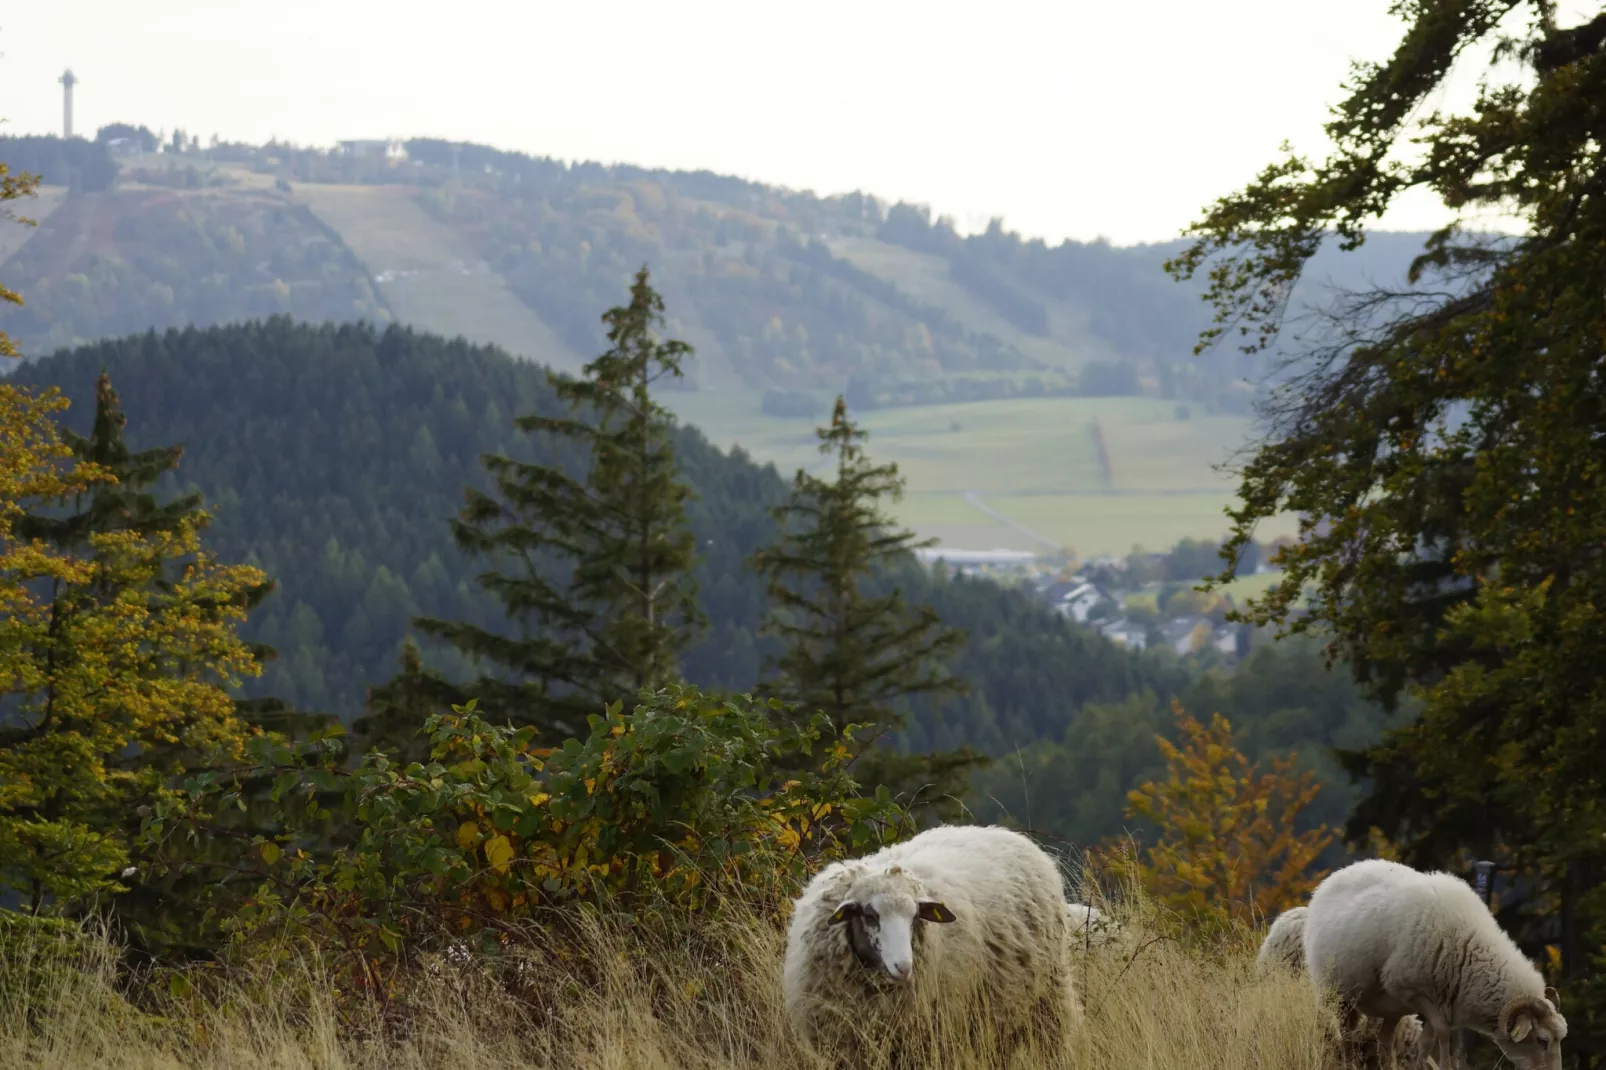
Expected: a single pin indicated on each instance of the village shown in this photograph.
(1140, 601)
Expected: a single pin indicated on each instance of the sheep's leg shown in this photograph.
(1386, 1057)
(1445, 1050)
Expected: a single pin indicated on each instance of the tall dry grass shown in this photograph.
(610, 999)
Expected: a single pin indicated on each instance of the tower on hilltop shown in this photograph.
(68, 80)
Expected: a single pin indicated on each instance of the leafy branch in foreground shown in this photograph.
(684, 801)
(1445, 446)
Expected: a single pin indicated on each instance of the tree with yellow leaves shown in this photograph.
(12, 188)
(115, 667)
(1227, 846)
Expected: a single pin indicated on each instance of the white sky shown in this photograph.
(1068, 118)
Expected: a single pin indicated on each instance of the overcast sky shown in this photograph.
(1066, 117)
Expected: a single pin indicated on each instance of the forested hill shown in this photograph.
(333, 456)
(782, 292)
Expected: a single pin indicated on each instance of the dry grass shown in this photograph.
(628, 1003)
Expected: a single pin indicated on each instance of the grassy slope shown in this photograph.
(644, 1003)
(925, 277)
(428, 276)
(36, 208)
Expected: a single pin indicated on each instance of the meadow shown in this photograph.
(1024, 474)
(613, 997)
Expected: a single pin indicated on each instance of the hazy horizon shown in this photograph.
(1069, 121)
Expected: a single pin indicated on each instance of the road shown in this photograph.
(974, 499)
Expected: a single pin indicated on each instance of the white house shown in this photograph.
(1080, 601)
(1126, 633)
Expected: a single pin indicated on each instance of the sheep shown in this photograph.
(1392, 941)
(1284, 949)
(1284, 946)
(1091, 927)
(955, 915)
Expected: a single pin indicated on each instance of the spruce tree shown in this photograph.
(127, 504)
(395, 711)
(595, 568)
(849, 651)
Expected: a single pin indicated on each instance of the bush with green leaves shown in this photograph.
(685, 800)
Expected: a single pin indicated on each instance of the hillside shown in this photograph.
(334, 456)
(1037, 396)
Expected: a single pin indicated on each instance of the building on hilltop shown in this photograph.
(391, 150)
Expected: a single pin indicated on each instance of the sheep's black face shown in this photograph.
(864, 936)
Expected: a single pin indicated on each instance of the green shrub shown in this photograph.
(677, 804)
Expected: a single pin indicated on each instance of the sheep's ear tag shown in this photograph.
(933, 911)
(844, 912)
(1522, 1026)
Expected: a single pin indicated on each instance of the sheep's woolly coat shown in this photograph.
(1008, 945)
(1284, 948)
(1392, 941)
(1284, 945)
(1090, 927)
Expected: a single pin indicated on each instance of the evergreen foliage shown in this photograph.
(334, 458)
(855, 655)
(619, 531)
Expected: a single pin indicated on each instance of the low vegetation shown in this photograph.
(610, 994)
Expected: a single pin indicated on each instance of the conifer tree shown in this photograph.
(396, 710)
(126, 503)
(595, 568)
(853, 653)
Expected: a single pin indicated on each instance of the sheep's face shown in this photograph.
(1531, 1032)
(881, 923)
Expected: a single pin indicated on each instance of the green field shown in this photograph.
(1033, 463)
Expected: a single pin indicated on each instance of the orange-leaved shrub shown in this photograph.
(1225, 844)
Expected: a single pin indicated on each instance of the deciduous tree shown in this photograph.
(1226, 838)
(114, 674)
(1446, 443)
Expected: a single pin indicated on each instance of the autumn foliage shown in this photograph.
(1226, 844)
(116, 659)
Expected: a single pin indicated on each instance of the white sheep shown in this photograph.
(1284, 949)
(1284, 945)
(1392, 941)
(956, 914)
(1091, 927)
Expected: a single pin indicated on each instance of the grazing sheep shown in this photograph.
(1392, 941)
(955, 915)
(1284, 946)
(1090, 926)
(1284, 949)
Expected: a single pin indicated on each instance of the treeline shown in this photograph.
(84, 166)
